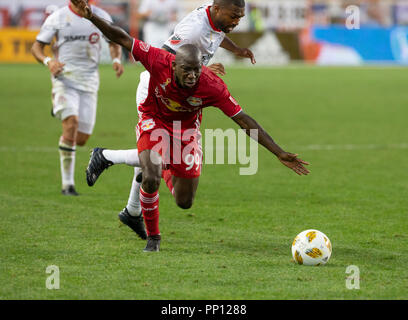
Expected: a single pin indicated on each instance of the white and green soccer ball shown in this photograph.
(311, 248)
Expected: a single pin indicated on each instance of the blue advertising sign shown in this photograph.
(371, 44)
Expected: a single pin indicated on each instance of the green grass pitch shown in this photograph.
(235, 243)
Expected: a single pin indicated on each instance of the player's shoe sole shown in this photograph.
(134, 223)
(153, 244)
(97, 164)
(69, 191)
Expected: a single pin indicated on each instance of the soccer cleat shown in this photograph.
(135, 223)
(153, 243)
(97, 163)
(69, 191)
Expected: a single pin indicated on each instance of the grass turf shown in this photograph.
(350, 123)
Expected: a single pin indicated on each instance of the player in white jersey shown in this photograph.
(159, 16)
(75, 79)
(205, 28)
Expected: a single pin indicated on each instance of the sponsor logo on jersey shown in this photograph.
(195, 102)
(173, 105)
(76, 38)
(175, 40)
(144, 46)
(94, 38)
(147, 124)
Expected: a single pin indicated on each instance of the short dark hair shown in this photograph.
(223, 3)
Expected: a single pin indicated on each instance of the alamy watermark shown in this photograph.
(184, 146)
(53, 280)
(352, 17)
(353, 280)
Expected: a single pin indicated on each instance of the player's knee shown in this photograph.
(185, 203)
(82, 139)
(71, 122)
(151, 183)
(81, 142)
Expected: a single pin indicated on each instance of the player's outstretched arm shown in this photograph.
(288, 159)
(112, 32)
(229, 45)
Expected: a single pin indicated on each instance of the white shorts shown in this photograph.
(68, 101)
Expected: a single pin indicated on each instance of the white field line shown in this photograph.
(311, 147)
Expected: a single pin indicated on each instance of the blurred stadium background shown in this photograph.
(278, 31)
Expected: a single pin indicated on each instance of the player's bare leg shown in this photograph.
(184, 191)
(82, 138)
(67, 148)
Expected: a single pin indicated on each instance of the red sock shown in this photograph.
(166, 175)
(150, 210)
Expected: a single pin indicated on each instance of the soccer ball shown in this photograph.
(311, 248)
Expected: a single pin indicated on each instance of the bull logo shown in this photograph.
(195, 102)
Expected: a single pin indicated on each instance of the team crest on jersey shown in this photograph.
(176, 39)
(147, 124)
(195, 102)
(94, 38)
(144, 46)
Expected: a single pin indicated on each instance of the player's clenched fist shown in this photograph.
(55, 67)
(118, 69)
(217, 68)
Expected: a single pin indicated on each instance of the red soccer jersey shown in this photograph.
(167, 102)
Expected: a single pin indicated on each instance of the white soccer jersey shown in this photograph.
(197, 28)
(78, 45)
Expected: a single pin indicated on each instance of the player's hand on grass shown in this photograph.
(118, 67)
(217, 68)
(84, 9)
(245, 53)
(56, 67)
(293, 162)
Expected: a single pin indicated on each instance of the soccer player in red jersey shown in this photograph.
(168, 129)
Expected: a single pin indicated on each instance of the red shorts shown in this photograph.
(180, 148)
